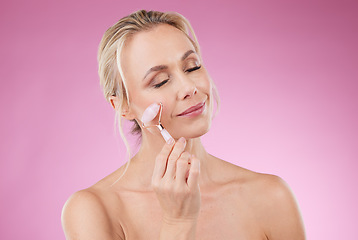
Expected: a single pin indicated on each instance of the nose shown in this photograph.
(187, 88)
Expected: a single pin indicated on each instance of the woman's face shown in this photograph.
(161, 65)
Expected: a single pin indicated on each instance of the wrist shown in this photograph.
(178, 229)
(177, 221)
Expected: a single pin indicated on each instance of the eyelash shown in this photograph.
(193, 69)
(161, 84)
(165, 81)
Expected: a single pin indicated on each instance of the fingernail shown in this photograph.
(170, 141)
(182, 140)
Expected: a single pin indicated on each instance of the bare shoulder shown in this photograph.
(84, 216)
(259, 184)
(278, 209)
(269, 186)
(270, 199)
(231, 173)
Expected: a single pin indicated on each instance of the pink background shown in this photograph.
(287, 72)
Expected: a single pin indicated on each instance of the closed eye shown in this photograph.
(193, 69)
(161, 84)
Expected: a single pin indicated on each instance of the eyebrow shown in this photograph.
(162, 67)
(187, 54)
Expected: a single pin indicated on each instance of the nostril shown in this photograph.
(188, 95)
(187, 90)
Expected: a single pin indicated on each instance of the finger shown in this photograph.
(173, 157)
(182, 167)
(194, 172)
(161, 160)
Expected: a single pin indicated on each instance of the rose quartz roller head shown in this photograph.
(150, 113)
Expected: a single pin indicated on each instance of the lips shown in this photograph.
(192, 109)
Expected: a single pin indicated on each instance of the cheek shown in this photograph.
(143, 101)
(137, 105)
(205, 84)
(140, 99)
(168, 107)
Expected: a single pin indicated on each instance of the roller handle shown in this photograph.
(165, 134)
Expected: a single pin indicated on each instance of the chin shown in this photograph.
(194, 130)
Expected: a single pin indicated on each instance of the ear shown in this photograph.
(124, 111)
(113, 100)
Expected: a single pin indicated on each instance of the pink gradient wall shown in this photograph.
(287, 75)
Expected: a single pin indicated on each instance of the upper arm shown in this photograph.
(282, 216)
(84, 217)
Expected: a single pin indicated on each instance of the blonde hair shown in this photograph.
(110, 71)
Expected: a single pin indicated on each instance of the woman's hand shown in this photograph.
(175, 182)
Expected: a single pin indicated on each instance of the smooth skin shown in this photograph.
(177, 190)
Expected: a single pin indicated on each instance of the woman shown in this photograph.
(174, 189)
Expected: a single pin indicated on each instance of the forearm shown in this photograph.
(178, 230)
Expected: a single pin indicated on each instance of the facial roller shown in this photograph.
(150, 113)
